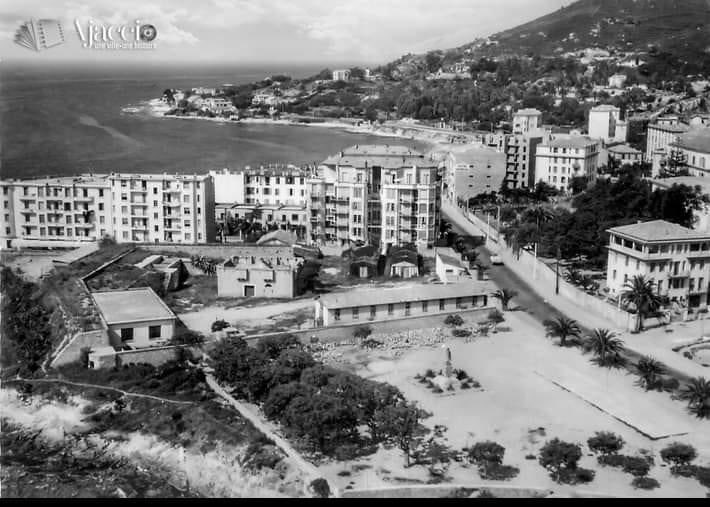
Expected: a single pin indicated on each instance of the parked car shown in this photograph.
(497, 260)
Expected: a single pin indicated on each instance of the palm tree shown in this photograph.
(505, 296)
(562, 328)
(606, 348)
(650, 372)
(641, 293)
(697, 394)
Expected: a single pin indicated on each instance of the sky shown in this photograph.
(270, 31)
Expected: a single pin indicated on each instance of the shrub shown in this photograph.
(362, 332)
(272, 346)
(485, 494)
(496, 317)
(604, 442)
(637, 466)
(561, 459)
(437, 390)
(646, 483)
(678, 454)
(466, 386)
(429, 374)
(486, 452)
(461, 333)
(686, 471)
(454, 321)
(188, 337)
(670, 384)
(497, 472)
(344, 473)
(320, 488)
(461, 375)
(703, 476)
(219, 325)
(612, 460)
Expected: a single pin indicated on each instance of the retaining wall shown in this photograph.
(217, 251)
(153, 356)
(71, 352)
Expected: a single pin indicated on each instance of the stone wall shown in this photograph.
(71, 352)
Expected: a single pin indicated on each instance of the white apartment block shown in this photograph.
(526, 120)
(54, 211)
(605, 124)
(675, 259)
(163, 208)
(562, 159)
(520, 161)
(67, 211)
(695, 148)
(341, 75)
(381, 195)
(661, 135)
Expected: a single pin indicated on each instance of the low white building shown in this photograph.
(675, 259)
(135, 318)
(341, 75)
(561, 160)
(450, 267)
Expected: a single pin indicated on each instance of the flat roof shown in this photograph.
(678, 128)
(659, 230)
(624, 148)
(695, 140)
(413, 294)
(131, 306)
(571, 142)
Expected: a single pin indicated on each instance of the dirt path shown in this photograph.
(96, 386)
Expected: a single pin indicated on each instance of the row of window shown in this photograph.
(476, 301)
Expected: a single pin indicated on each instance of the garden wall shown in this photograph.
(153, 356)
(71, 352)
(345, 333)
(542, 279)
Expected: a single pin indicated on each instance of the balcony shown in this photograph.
(171, 204)
(28, 212)
(87, 199)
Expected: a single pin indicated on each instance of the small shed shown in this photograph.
(364, 262)
(402, 262)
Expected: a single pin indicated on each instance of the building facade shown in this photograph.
(259, 273)
(605, 124)
(365, 306)
(527, 120)
(624, 154)
(380, 195)
(129, 208)
(563, 159)
(661, 135)
(675, 259)
(694, 148)
(472, 172)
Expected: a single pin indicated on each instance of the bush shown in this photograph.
(320, 488)
(604, 442)
(646, 483)
(486, 452)
(678, 454)
(561, 459)
(461, 375)
(637, 466)
(670, 384)
(454, 321)
(461, 333)
(496, 317)
(687, 471)
(362, 332)
(272, 346)
(612, 460)
(703, 476)
(497, 472)
(188, 337)
(429, 374)
(220, 325)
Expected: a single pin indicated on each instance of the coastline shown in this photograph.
(436, 139)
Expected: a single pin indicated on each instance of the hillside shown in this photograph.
(677, 26)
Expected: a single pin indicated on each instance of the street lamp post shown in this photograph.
(557, 272)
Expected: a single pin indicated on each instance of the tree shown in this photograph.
(188, 337)
(562, 328)
(505, 296)
(400, 423)
(606, 347)
(560, 458)
(219, 325)
(697, 394)
(362, 332)
(454, 321)
(606, 443)
(273, 346)
(640, 292)
(650, 372)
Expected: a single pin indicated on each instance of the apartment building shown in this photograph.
(562, 159)
(661, 135)
(605, 124)
(695, 149)
(162, 208)
(527, 120)
(675, 259)
(341, 75)
(381, 195)
(472, 172)
(55, 211)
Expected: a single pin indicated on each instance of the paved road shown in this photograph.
(504, 278)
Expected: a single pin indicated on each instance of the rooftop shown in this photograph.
(385, 162)
(605, 108)
(579, 142)
(679, 128)
(284, 237)
(100, 180)
(624, 149)
(413, 294)
(528, 112)
(690, 181)
(659, 230)
(695, 140)
(131, 306)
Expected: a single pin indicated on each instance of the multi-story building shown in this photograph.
(527, 120)
(260, 273)
(341, 75)
(520, 159)
(661, 135)
(675, 259)
(162, 208)
(694, 148)
(130, 208)
(561, 160)
(470, 173)
(605, 124)
(624, 154)
(381, 195)
(55, 211)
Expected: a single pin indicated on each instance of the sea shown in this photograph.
(63, 119)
